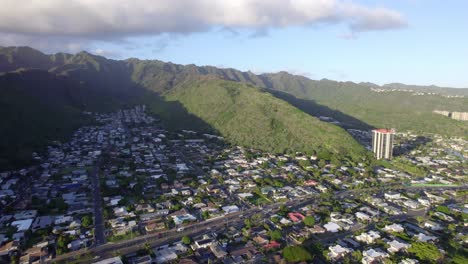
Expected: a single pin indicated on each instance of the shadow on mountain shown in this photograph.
(173, 114)
(321, 111)
(38, 107)
(406, 147)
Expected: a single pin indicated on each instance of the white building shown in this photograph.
(382, 143)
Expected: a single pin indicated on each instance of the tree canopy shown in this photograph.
(296, 253)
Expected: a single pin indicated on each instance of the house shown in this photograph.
(229, 209)
(337, 252)
(411, 204)
(120, 211)
(141, 260)
(332, 227)
(317, 230)
(433, 225)
(395, 246)
(310, 183)
(22, 225)
(205, 242)
(409, 261)
(25, 214)
(392, 196)
(424, 238)
(362, 216)
(165, 255)
(61, 219)
(296, 217)
(244, 195)
(180, 219)
(394, 228)
(272, 244)
(248, 252)
(373, 256)
(444, 216)
(145, 208)
(218, 251)
(261, 240)
(155, 225)
(369, 237)
(42, 222)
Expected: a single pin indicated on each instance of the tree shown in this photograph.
(275, 235)
(86, 221)
(283, 210)
(62, 243)
(206, 215)
(425, 251)
(186, 240)
(296, 254)
(321, 163)
(309, 220)
(443, 209)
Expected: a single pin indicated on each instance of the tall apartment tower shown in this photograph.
(382, 143)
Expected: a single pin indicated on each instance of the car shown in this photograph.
(180, 229)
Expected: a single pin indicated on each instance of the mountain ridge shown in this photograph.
(234, 74)
(110, 84)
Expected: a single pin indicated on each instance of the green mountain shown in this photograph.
(221, 100)
(401, 110)
(187, 97)
(36, 108)
(247, 115)
(428, 89)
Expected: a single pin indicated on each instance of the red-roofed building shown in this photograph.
(272, 244)
(310, 183)
(296, 217)
(384, 130)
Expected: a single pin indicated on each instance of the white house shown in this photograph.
(373, 255)
(332, 227)
(337, 252)
(395, 246)
(369, 237)
(394, 228)
(362, 216)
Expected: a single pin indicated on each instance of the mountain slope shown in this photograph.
(248, 116)
(187, 97)
(37, 107)
(401, 110)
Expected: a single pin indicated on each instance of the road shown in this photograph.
(156, 239)
(160, 238)
(99, 227)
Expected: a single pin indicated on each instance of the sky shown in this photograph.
(420, 42)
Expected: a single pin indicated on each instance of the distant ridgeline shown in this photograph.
(462, 116)
(43, 97)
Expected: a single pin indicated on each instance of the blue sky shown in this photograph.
(429, 47)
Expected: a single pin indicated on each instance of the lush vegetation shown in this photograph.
(38, 106)
(355, 104)
(425, 251)
(309, 220)
(296, 254)
(248, 116)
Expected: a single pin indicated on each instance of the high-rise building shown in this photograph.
(382, 143)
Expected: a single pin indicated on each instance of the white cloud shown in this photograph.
(106, 20)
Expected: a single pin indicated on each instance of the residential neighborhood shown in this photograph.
(135, 192)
